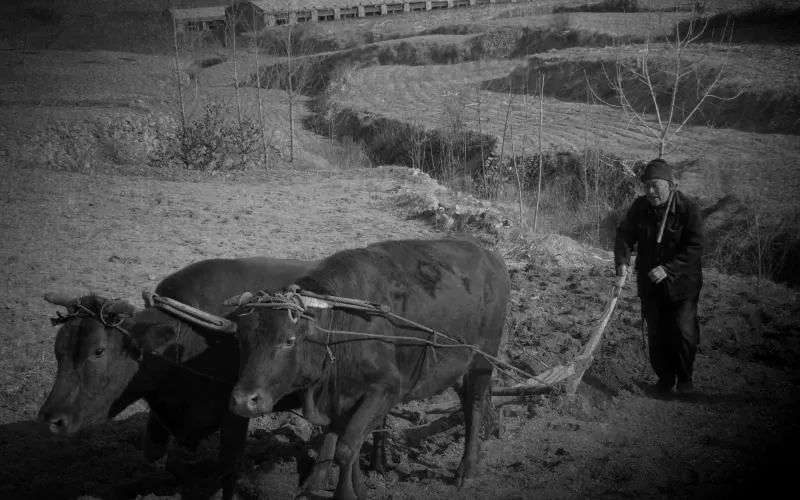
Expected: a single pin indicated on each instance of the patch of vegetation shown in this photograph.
(210, 142)
(743, 238)
(455, 29)
(316, 72)
(765, 23)
(392, 142)
(305, 40)
(533, 41)
(604, 6)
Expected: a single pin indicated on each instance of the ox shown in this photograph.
(351, 381)
(110, 355)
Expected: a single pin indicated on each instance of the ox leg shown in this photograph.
(368, 414)
(350, 485)
(155, 440)
(473, 394)
(316, 480)
(231, 448)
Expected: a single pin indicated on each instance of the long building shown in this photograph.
(255, 14)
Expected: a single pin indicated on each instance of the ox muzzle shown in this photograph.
(250, 403)
(59, 422)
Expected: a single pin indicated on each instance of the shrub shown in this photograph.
(745, 237)
(605, 6)
(208, 143)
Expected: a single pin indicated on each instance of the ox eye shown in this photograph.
(99, 352)
(291, 341)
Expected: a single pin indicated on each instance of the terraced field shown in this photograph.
(421, 94)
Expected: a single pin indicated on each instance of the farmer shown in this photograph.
(667, 229)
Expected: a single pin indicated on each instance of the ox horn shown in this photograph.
(123, 307)
(238, 300)
(315, 302)
(61, 299)
(194, 315)
(147, 297)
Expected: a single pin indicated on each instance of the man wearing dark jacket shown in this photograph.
(667, 229)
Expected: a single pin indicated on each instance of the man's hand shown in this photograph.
(657, 274)
(622, 270)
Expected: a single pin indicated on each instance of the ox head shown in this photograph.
(275, 358)
(96, 360)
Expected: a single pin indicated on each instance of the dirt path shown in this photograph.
(117, 235)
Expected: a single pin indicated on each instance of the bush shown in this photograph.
(605, 6)
(208, 143)
(579, 178)
(744, 236)
(442, 154)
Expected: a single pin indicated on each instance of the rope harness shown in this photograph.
(297, 302)
(111, 319)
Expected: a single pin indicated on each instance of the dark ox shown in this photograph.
(350, 382)
(184, 372)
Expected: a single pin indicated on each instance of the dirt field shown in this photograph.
(83, 211)
(117, 235)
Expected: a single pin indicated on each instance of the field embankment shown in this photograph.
(748, 96)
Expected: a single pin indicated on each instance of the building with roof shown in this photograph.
(199, 18)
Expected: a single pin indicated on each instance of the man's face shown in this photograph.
(657, 191)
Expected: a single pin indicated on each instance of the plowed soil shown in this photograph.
(116, 235)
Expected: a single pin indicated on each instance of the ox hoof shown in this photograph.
(463, 477)
(463, 482)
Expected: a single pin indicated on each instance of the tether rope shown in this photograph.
(295, 299)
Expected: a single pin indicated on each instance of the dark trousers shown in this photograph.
(673, 333)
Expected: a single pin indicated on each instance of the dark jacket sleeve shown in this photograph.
(626, 236)
(686, 260)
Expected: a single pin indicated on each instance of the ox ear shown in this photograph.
(122, 308)
(147, 297)
(61, 299)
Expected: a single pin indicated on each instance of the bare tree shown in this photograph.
(680, 75)
(295, 75)
(261, 123)
(232, 33)
(541, 156)
(416, 146)
(178, 74)
(480, 136)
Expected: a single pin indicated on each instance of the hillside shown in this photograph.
(103, 191)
